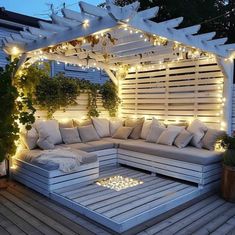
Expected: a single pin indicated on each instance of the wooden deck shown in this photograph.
(23, 211)
(125, 209)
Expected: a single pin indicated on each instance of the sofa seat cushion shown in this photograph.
(31, 155)
(99, 145)
(80, 146)
(188, 154)
(116, 142)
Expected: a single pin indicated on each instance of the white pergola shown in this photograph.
(113, 38)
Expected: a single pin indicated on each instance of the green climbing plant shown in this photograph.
(110, 97)
(52, 94)
(15, 109)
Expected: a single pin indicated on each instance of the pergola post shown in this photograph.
(227, 67)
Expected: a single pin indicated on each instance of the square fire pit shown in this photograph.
(118, 182)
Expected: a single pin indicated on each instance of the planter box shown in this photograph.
(228, 183)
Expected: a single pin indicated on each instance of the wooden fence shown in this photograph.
(78, 111)
(175, 92)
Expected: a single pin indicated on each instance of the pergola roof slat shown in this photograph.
(52, 27)
(63, 21)
(73, 15)
(92, 10)
(149, 13)
(127, 28)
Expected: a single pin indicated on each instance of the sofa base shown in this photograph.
(45, 181)
(199, 174)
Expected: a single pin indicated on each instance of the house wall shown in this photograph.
(4, 33)
(175, 92)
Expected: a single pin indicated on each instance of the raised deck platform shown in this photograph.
(125, 209)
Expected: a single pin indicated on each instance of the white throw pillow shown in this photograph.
(102, 126)
(176, 128)
(114, 125)
(51, 129)
(70, 135)
(167, 137)
(29, 137)
(198, 129)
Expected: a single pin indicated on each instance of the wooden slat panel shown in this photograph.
(182, 90)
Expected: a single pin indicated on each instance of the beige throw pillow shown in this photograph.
(209, 140)
(137, 127)
(167, 137)
(183, 139)
(29, 138)
(66, 123)
(70, 135)
(122, 133)
(198, 129)
(44, 142)
(49, 128)
(88, 133)
(102, 126)
(154, 133)
(145, 129)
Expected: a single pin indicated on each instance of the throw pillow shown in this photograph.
(145, 129)
(66, 123)
(70, 135)
(114, 124)
(167, 137)
(123, 133)
(102, 126)
(88, 133)
(209, 139)
(198, 129)
(51, 129)
(137, 127)
(29, 138)
(77, 122)
(183, 139)
(154, 133)
(44, 143)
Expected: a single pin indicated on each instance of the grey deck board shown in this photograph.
(21, 211)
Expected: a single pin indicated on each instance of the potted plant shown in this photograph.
(228, 178)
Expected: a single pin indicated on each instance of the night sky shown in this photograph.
(40, 8)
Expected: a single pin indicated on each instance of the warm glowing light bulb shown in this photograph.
(15, 51)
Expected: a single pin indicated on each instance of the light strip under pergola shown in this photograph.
(73, 25)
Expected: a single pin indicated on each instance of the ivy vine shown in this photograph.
(52, 94)
(110, 97)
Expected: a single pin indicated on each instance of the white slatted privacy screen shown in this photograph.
(175, 92)
(233, 109)
(78, 111)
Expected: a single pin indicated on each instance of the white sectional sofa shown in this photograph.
(199, 166)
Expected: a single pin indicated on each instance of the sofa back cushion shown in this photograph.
(88, 133)
(123, 133)
(154, 133)
(70, 135)
(102, 126)
(136, 124)
(210, 138)
(114, 125)
(49, 128)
